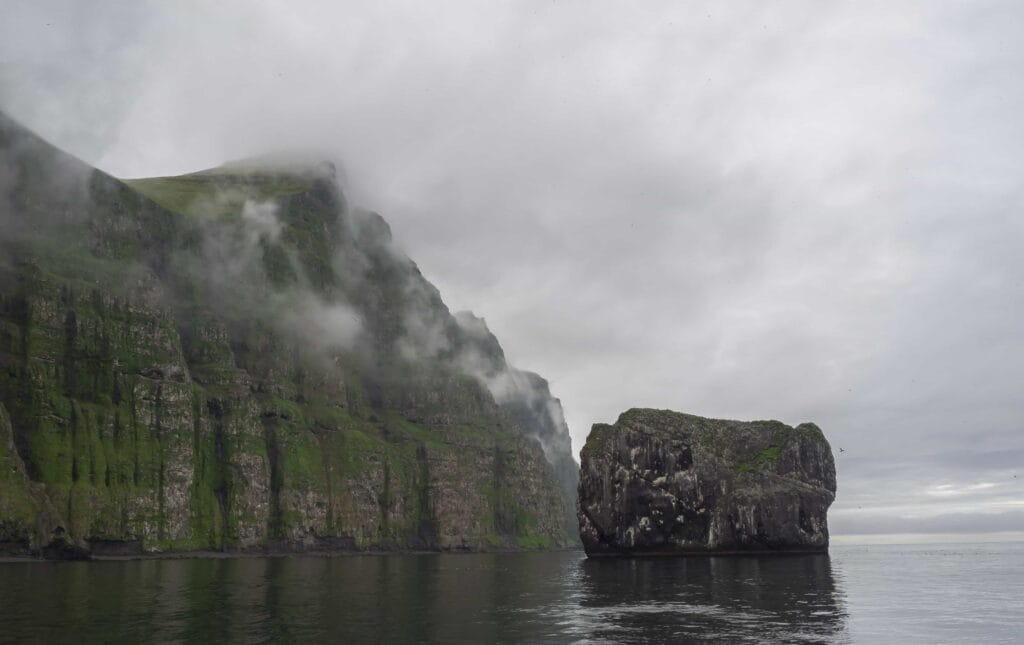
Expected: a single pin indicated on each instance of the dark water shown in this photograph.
(877, 594)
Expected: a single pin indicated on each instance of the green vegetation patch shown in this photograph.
(211, 192)
(763, 460)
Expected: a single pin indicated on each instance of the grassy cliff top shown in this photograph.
(651, 420)
(199, 194)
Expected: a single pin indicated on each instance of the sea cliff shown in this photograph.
(238, 359)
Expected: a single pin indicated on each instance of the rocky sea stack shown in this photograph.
(663, 482)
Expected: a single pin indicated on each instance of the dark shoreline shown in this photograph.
(267, 553)
(706, 554)
(339, 553)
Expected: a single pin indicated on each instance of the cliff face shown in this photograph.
(662, 482)
(238, 359)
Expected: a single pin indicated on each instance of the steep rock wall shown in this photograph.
(239, 360)
(663, 482)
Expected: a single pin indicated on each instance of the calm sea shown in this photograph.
(971, 593)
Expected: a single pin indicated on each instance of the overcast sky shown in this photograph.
(770, 210)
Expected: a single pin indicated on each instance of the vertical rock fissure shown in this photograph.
(22, 409)
(162, 466)
(384, 501)
(73, 426)
(275, 519)
(133, 421)
(221, 481)
(427, 530)
(328, 480)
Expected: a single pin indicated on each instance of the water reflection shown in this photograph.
(717, 599)
(524, 597)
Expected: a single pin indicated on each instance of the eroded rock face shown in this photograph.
(663, 482)
(238, 360)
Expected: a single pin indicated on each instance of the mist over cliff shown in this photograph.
(299, 341)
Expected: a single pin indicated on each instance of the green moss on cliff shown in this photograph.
(217, 191)
(18, 512)
(764, 459)
(148, 407)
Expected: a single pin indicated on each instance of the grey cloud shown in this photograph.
(233, 253)
(965, 523)
(806, 213)
(63, 180)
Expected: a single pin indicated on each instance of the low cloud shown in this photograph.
(233, 267)
(804, 212)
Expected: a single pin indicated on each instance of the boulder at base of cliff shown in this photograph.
(663, 482)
